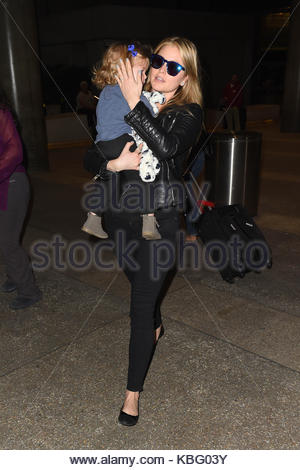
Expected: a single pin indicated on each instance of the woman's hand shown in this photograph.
(127, 160)
(131, 87)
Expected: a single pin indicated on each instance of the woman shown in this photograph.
(170, 135)
(14, 198)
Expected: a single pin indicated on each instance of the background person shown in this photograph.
(14, 198)
(193, 213)
(86, 104)
(201, 151)
(233, 97)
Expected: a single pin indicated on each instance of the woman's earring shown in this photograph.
(182, 83)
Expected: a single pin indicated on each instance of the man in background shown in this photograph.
(233, 97)
(86, 104)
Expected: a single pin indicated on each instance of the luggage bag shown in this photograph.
(234, 245)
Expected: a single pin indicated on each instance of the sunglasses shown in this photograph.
(173, 68)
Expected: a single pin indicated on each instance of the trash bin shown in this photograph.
(233, 169)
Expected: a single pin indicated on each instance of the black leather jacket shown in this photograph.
(170, 135)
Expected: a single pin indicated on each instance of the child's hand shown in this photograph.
(130, 86)
(127, 160)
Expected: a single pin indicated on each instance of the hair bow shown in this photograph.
(131, 49)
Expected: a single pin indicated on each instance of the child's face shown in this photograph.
(140, 63)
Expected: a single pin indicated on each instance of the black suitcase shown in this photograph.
(233, 244)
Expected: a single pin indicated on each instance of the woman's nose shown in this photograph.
(163, 69)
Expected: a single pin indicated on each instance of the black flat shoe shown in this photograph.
(127, 420)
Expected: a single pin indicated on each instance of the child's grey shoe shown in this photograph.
(150, 231)
(93, 226)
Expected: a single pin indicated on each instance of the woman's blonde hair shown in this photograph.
(103, 73)
(191, 91)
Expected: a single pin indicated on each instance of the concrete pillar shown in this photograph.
(290, 116)
(21, 77)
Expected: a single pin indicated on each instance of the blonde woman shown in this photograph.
(173, 72)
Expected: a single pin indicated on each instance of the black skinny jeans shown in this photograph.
(147, 286)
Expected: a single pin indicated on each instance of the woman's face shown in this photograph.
(160, 79)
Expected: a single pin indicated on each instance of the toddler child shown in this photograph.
(111, 109)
